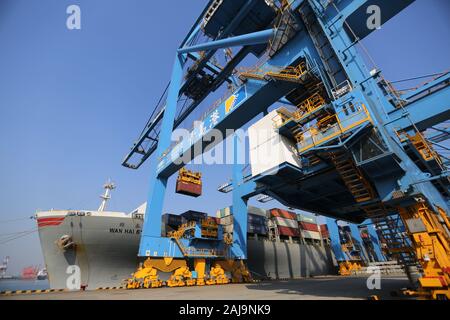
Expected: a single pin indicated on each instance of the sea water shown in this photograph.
(18, 284)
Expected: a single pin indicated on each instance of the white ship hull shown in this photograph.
(105, 246)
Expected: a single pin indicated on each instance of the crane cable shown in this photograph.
(21, 235)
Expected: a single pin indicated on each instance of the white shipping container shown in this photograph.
(301, 217)
(268, 149)
(279, 221)
(224, 212)
(257, 211)
(311, 235)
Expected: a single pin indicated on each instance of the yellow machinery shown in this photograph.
(428, 230)
(429, 233)
(147, 274)
(346, 268)
(189, 183)
(190, 176)
(351, 264)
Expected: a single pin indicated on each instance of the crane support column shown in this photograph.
(152, 222)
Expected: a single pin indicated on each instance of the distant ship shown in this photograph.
(29, 273)
(42, 274)
(100, 246)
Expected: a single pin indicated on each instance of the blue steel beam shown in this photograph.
(375, 239)
(254, 38)
(229, 29)
(424, 112)
(220, 78)
(246, 103)
(359, 14)
(335, 239)
(356, 239)
(239, 247)
(196, 26)
(152, 220)
(442, 80)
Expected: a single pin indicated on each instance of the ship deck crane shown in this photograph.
(360, 143)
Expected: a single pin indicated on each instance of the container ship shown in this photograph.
(103, 245)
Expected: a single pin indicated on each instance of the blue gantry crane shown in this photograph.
(358, 148)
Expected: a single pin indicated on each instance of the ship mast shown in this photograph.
(108, 186)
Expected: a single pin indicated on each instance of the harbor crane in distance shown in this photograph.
(358, 147)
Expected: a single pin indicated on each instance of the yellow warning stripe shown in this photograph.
(30, 291)
(110, 288)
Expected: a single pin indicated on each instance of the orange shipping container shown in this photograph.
(283, 214)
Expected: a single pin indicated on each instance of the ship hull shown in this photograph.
(104, 251)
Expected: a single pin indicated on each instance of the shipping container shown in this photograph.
(311, 235)
(255, 219)
(258, 229)
(324, 231)
(286, 222)
(285, 231)
(172, 220)
(283, 214)
(188, 188)
(257, 211)
(224, 212)
(304, 218)
(216, 220)
(308, 226)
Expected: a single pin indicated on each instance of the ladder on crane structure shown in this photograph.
(330, 61)
(396, 240)
(286, 28)
(398, 245)
(352, 176)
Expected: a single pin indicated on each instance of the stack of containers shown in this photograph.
(257, 221)
(226, 219)
(308, 227)
(224, 212)
(286, 222)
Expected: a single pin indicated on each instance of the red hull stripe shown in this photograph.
(50, 219)
(45, 224)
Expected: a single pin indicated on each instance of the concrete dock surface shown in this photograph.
(318, 288)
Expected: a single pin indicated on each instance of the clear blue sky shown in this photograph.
(72, 102)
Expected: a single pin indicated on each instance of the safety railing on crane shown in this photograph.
(288, 73)
(336, 125)
(303, 109)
